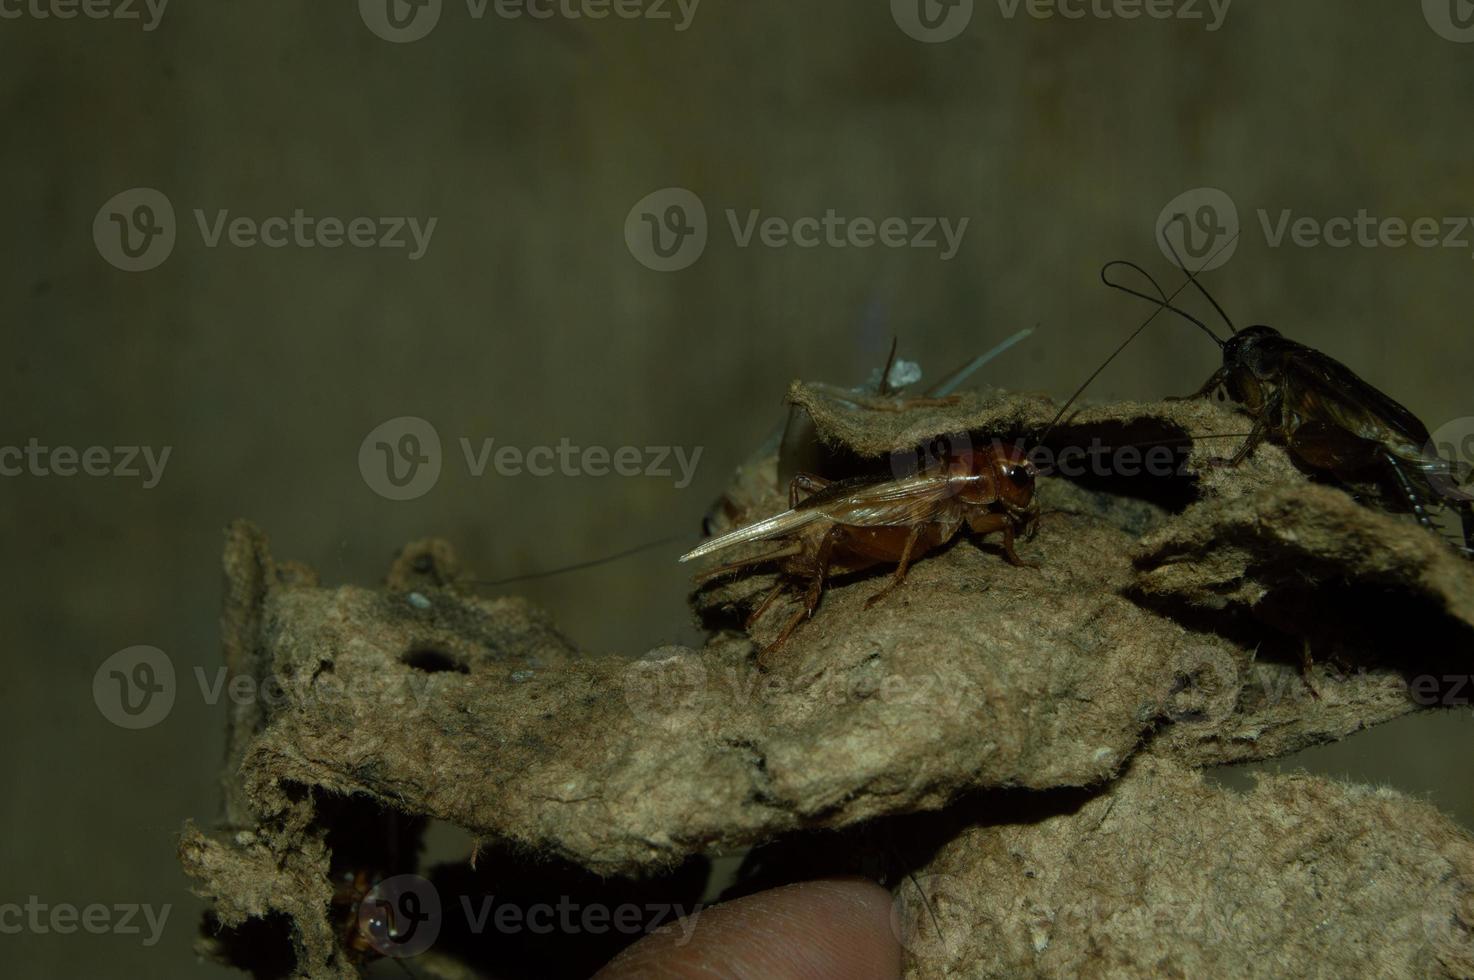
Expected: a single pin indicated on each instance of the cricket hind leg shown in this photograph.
(1413, 497)
(815, 590)
(1410, 493)
(765, 605)
(787, 551)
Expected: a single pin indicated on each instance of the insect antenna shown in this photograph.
(1161, 299)
(1163, 303)
(925, 900)
(583, 565)
(1193, 277)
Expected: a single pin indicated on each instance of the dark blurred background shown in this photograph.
(530, 318)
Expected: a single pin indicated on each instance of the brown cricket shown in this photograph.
(855, 524)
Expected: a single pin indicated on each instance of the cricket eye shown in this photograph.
(1019, 475)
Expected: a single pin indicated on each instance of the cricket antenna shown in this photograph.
(1162, 302)
(580, 566)
(1193, 276)
(1160, 299)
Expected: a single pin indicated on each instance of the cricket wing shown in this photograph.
(770, 527)
(892, 503)
(1340, 396)
(861, 503)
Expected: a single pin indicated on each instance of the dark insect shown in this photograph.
(1327, 417)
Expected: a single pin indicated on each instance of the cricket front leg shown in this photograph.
(991, 523)
(1256, 434)
(1219, 378)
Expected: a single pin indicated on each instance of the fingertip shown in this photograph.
(814, 930)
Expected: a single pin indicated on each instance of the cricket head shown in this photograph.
(1248, 347)
(1008, 477)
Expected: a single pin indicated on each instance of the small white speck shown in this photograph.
(418, 601)
(522, 676)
